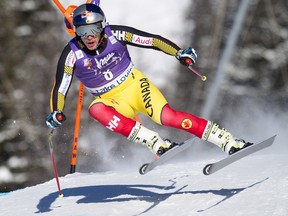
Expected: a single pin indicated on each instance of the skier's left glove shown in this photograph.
(187, 57)
(55, 119)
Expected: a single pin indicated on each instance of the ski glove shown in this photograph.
(55, 119)
(187, 57)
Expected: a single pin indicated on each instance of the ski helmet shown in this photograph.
(88, 19)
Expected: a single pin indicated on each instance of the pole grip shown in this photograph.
(188, 61)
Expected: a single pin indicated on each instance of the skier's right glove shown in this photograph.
(187, 57)
(55, 119)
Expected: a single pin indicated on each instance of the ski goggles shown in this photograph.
(84, 31)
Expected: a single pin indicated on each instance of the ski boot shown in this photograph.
(223, 139)
(240, 144)
(169, 145)
(151, 139)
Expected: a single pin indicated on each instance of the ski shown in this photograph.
(147, 167)
(214, 167)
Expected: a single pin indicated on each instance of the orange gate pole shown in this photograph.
(68, 15)
(77, 128)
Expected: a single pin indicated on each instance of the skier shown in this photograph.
(99, 58)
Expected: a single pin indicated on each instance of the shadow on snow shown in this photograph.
(113, 193)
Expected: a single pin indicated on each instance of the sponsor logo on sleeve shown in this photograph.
(144, 41)
(65, 83)
(120, 35)
(70, 60)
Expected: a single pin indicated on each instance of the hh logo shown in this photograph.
(113, 123)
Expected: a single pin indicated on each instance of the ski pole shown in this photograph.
(189, 62)
(60, 194)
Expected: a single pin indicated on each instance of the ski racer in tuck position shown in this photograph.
(99, 58)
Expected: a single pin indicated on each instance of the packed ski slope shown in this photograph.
(256, 185)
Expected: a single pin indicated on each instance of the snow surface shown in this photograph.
(256, 185)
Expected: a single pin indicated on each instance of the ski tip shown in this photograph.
(274, 137)
(271, 139)
(206, 170)
(143, 168)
